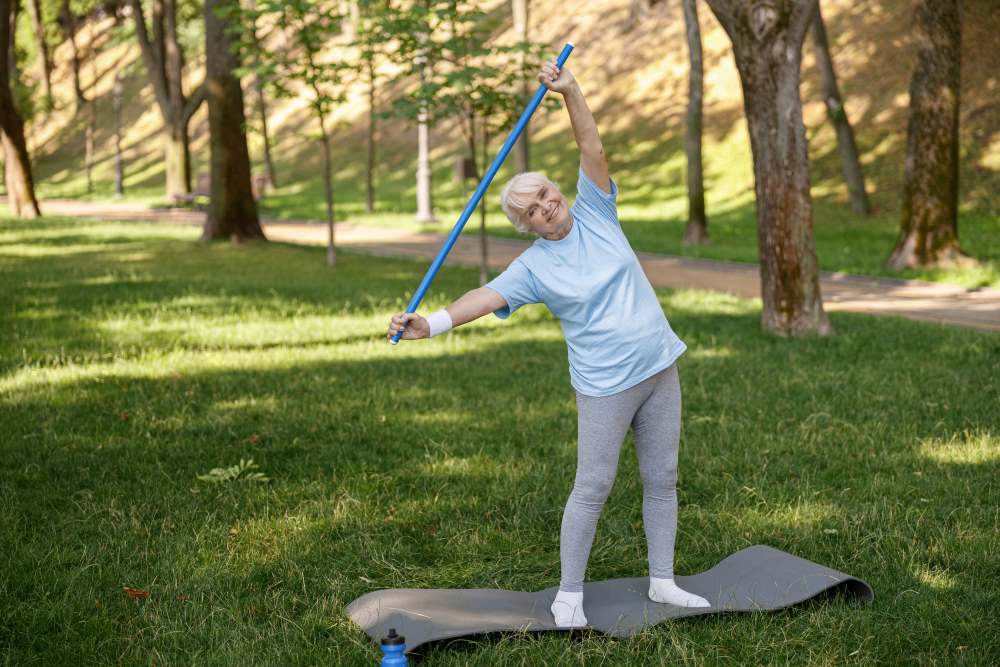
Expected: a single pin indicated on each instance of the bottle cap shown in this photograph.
(392, 638)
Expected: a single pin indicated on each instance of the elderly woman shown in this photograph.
(622, 351)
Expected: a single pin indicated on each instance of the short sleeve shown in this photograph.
(600, 203)
(517, 287)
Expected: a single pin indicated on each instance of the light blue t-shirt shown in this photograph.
(615, 330)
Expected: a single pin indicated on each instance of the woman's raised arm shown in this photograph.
(592, 158)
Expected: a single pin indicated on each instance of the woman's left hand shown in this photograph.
(557, 80)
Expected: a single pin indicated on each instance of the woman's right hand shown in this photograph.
(416, 327)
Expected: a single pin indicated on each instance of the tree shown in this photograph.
(473, 80)
(232, 212)
(116, 92)
(522, 149)
(408, 26)
(270, 179)
(164, 63)
(367, 17)
(696, 232)
(928, 234)
(44, 61)
(67, 21)
(849, 161)
(767, 44)
(17, 164)
(306, 24)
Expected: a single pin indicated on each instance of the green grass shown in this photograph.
(135, 359)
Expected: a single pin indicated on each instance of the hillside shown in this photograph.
(634, 70)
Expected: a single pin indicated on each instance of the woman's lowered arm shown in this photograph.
(470, 306)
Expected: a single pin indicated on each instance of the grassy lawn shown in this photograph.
(134, 359)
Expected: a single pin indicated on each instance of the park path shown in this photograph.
(913, 299)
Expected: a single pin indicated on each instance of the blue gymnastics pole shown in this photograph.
(418, 296)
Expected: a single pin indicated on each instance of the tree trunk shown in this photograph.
(370, 170)
(69, 28)
(929, 225)
(119, 163)
(522, 149)
(270, 179)
(425, 207)
(849, 161)
(177, 161)
(17, 164)
(696, 232)
(88, 141)
(767, 43)
(484, 263)
(38, 25)
(232, 212)
(164, 64)
(15, 7)
(331, 247)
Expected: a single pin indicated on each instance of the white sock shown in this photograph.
(666, 591)
(567, 609)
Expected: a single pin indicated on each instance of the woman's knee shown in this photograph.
(660, 480)
(592, 489)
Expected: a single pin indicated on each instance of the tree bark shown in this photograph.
(522, 149)
(370, 170)
(929, 226)
(38, 25)
(17, 164)
(119, 162)
(232, 212)
(68, 21)
(164, 64)
(270, 179)
(484, 259)
(767, 43)
(331, 245)
(696, 232)
(850, 163)
(15, 7)
(425, 207)
(91, 131)
(88, 144)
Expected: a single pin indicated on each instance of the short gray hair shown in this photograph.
(514, 196)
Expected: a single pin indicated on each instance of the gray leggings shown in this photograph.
(653, 409)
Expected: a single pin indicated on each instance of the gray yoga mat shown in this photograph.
(756, 578)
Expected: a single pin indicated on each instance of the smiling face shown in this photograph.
(546, 212)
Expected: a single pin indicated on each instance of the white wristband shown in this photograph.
(439, 322)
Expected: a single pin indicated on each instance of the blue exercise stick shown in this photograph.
(480, 191)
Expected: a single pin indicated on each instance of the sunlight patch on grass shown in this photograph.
(248, 402)
(710, 353)
(938, 580)
(969, 448)
(69, 249)
(803, 514)
(703, 302)
(39, 313)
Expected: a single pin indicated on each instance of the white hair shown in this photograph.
(515, 196)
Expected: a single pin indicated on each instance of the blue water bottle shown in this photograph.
(394, 650)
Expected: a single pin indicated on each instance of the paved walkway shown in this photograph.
(914, 299)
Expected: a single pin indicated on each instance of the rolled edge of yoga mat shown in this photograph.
(758, 578)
